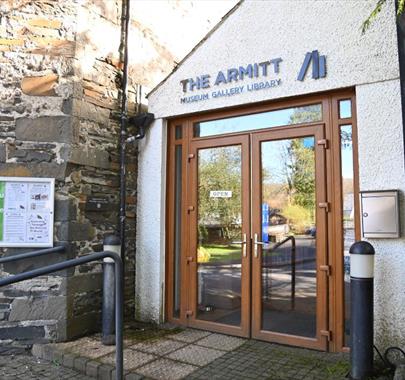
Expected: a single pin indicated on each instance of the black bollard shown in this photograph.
(361, 309)
(111, 243)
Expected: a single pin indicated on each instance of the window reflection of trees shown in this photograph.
(219, 169)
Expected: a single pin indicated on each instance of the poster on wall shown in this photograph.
(26, 212)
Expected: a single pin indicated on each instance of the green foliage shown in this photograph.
(219, 169)
(302, 168)
(203, 255)
(374, 13)
(299, 217)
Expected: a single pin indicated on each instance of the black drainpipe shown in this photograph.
(124, 124)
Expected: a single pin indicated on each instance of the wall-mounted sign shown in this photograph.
(220, 194)
(265, 74)
(318, 65)
(26, 212)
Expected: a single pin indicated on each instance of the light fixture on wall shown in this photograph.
(141, 122)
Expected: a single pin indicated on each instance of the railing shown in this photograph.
(119, 298)
(293, 259)
(27, 255)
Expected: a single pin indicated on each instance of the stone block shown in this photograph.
(38, 308)
(11, 41)
(21, 332)
(65, 210)
(104, 372)
(92, 368)
(54, 47)
(43, 351)
(32, 156)
(95, 157)
(30, 169)
(68, 360)
(58, 356)
(75, 231)
(80, 364)
(44, 129)
(45, 23)
(88, 111)
(40, 86)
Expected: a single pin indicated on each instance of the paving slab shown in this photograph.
(159, 347)
(196, 355)
(221, 342)
(190, 335)
(132, 359)
(166, 369)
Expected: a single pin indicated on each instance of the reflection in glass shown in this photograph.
(219, 225)
(345, 109)
(288, 116)
(177, 231)
(346, 154)
(289, 231)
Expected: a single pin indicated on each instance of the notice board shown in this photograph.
(26, 212)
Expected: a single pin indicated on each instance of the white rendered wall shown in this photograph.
(259, 31)
(381, 167)
(288, 29)
(150, 234)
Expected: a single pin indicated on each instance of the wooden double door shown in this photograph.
(258, 234)
(249, 220)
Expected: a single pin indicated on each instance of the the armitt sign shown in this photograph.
(267, 71)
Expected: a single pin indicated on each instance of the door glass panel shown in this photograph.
(346, 154)
(345, 109)
(276, 118)
(219, 258)
(177, 232)
(289, 293)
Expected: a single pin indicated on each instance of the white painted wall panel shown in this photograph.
(259, 31)
(150, 234)
(381, 167)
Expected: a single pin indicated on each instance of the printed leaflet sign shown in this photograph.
(26, 212)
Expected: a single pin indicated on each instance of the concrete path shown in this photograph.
(194, 354)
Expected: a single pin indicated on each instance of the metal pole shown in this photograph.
(119, 319)
(293, 261)
(361, 309)
(124, 123)
(111, 243)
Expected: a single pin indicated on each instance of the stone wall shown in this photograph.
(36, 81)
(60, 83)
(60, 80)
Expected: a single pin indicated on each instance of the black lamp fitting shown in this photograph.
(141, 121)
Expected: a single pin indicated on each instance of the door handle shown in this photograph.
(243, 242)
(256, 246)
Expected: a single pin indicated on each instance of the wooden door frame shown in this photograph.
(231, 140)
(336, 290)
(332, 122)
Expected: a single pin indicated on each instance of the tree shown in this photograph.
(373, 15)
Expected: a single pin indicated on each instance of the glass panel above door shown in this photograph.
(219, 251)
(270, 119)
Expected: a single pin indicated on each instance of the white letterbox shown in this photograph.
(379, 212)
